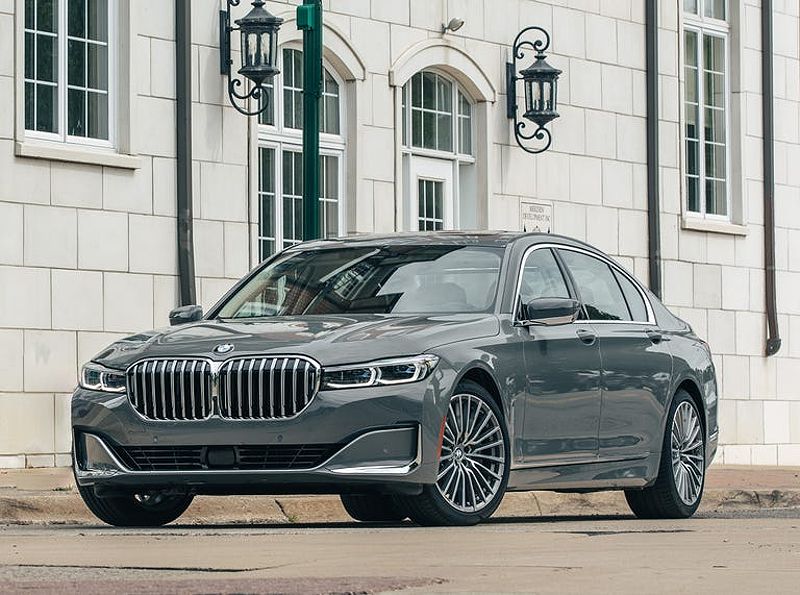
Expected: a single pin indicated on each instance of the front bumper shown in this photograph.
(385, 440)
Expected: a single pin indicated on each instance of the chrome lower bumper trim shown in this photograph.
(100, 462)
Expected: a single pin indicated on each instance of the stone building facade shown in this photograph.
(415, 136)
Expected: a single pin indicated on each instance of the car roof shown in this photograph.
(458, 238)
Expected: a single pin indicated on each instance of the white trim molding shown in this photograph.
(439, 54)
(337, 49)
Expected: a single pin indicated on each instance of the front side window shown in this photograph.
(706, 102)
(372, 280)
(280, 191)
(598, 287)
(68, 76)
(541, 278)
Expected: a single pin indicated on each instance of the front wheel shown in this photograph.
(474, 463)
(678, 489)
(151, 509)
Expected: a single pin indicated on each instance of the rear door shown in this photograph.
(636, 361)
(562, 367)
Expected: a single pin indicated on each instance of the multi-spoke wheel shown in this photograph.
(473, 454)
(688, 460)
(678, 489)
(473, 467)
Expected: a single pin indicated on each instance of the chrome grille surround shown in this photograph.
(267, 387)
(241, 389)
(171, 389)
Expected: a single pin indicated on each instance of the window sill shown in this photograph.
(76, 154)
(708, 225)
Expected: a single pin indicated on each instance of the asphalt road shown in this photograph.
(712, 554)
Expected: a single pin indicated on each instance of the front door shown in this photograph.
(432, 207)
(562, 365)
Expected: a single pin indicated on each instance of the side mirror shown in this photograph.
(185, 315)
(551, 311)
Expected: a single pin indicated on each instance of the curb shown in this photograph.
(66, 508)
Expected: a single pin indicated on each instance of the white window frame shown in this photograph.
(281, 138)
(704, 26)
(455, 157)
(63, 84)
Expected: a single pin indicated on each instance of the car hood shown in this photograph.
(331, 340)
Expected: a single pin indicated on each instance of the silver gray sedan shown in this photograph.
(418, 376)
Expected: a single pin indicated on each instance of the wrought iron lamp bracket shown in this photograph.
(522, 46)
(255, 92)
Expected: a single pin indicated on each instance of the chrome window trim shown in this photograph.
(651, 319)
(215, 368)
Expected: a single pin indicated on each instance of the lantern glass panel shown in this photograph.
(252, 48)
(264, 49)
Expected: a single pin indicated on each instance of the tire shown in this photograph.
(148, 510)
(678, 489)
(373, 508)
(467, 446)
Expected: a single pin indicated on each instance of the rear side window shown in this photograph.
(542, 278)
(633, 297)
(598, 288)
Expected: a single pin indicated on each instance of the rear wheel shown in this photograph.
(150, 509)
(474, 464)
(373, 508)
(677, 492)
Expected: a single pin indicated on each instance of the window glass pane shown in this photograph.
(715, 9)
(30, 55)
(404, 96)
(633, 297)
(46, 108)
(716, 198)
(445, 132)
(693, 194)
(46, 58)
(330, 105)
(76, 18)
(97, 17)
(266, 189)
(429, 90)
(329, 196)
(599, 291)
(98, 115)
(98, 66)
(76, 112)
(464, 125)
(47, 15)
(416, 90)
(76, 63)
(267, 117)
(416, 128)
(30, 14)
(429, 130)
(30, 106)
(690, 6)
(690, 52)
(541, 278)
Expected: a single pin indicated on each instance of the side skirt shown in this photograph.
(593, 476)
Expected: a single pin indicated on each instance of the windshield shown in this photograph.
(384, 280)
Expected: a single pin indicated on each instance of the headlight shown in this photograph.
(99, 378)
(382, 373)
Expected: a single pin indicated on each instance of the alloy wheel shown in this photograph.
(473, 459)
(688, 456)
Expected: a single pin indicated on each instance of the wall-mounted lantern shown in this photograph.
(541, 91)
(258, 30)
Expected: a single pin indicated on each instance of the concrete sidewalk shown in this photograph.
(48, 496)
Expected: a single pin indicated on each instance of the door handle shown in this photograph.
(655, 336)
(587, 337)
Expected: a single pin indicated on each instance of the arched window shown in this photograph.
(438, 150)
(280, 139)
